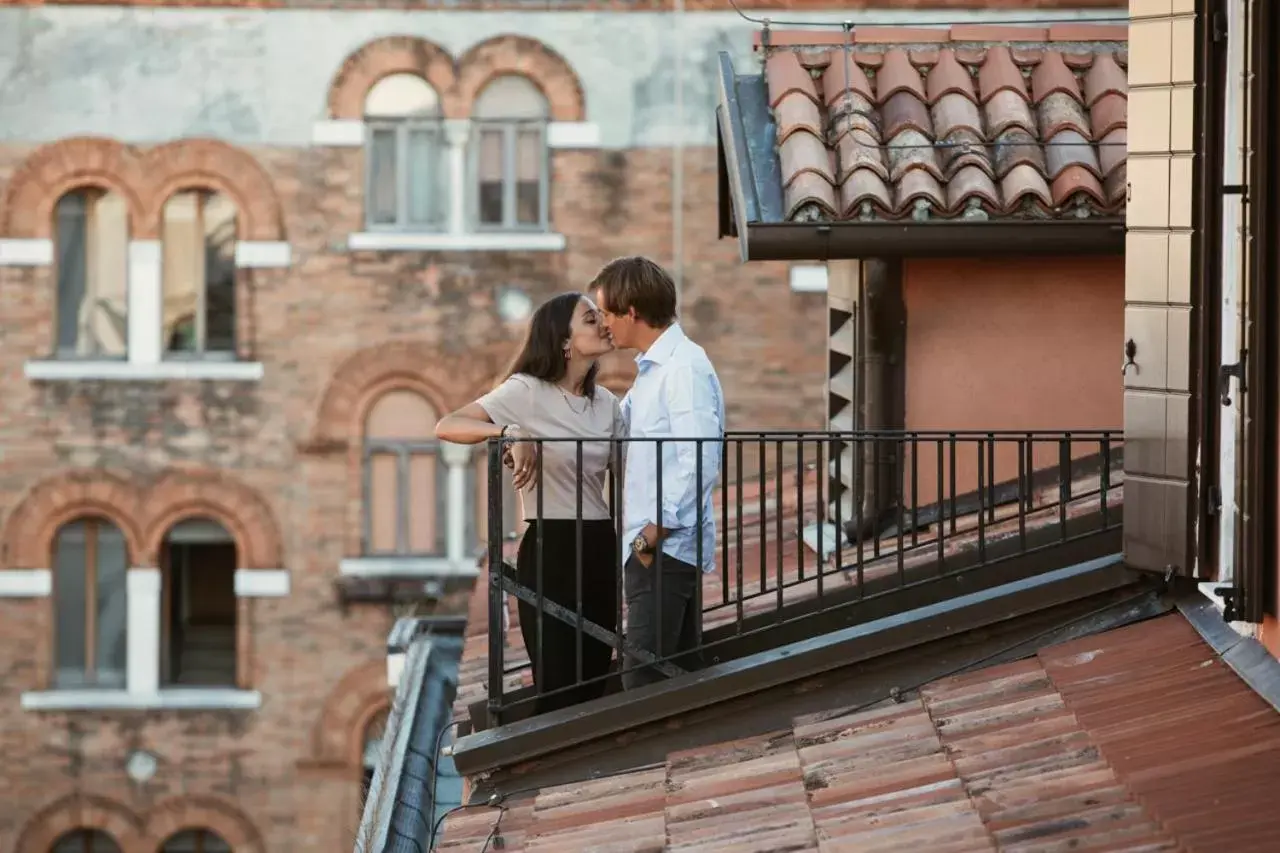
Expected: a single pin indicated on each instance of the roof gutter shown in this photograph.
(823, 241)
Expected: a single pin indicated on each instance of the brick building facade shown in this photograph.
(205, 442)
(245, 257)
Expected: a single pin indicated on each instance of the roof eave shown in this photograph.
(822, 241)
(750, 175)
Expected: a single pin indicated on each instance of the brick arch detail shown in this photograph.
(53, 170)
(512, 54)
(179, 495)
(181, 813)
(447, 381)
(29, 531)
(338, 733)
(80, 811)
(384, 57)
(145, 179)
(211, 164)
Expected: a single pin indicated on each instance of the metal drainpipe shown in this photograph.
(873, 364)
(677, 159)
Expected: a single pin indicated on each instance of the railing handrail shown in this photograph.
(784, 434)
(908, 507)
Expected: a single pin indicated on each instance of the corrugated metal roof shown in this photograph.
(1139, 739)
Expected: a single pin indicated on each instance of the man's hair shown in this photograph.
(639, 283)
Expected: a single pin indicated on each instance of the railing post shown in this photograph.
(497, 632)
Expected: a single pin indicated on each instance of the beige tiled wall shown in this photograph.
(1158, 282)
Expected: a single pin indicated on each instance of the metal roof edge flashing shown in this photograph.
(545, 734)
(1247, 657)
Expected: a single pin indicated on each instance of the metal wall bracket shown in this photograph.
(1231, 600)
(1226, 371)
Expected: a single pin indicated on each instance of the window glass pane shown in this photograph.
(220, 273)
(106, 324)
(92, 249)
(511, 96)
(112, 606)
(195, 841)
(383, 503)
(423, 167)
(85, 841)
(69, 589)
(71, 222)
(183, 273)
(530, 160)
(424, 498)
(382, 177)
(490, 167)
(401, 96)
(401, 415)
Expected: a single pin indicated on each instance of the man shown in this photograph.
(676, 395)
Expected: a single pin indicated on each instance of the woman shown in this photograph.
(551, 392)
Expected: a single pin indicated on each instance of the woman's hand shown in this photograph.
(524, 459)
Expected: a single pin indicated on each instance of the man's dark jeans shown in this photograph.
(674, 619)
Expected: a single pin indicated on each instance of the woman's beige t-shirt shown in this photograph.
(544, 410)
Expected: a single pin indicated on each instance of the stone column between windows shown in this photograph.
(457, 457)
(457, 131)
(143, 637)
(144, 300)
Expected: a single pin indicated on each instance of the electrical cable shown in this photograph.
(992, 22)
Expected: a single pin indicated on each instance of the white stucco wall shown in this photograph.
(262, 76)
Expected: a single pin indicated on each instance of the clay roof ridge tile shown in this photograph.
(785, 74)
(999, 73)
(897, 74)
(947, 77)
(1104, 77)
(1051, 76)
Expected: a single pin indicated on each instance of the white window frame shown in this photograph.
(439, 173)
(510, 129)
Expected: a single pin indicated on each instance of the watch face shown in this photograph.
(639, 544)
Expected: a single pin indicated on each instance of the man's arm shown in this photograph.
(693, 410)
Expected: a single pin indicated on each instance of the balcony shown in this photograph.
(834, 551)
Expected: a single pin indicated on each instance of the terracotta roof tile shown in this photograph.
(1139, 739)
(943, 100)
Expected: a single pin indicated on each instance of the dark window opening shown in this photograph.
(85, 841)
(200, 606)
(195, 841)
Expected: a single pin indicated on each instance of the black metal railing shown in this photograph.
(808, 523)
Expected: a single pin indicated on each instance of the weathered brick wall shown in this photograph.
(322, 329)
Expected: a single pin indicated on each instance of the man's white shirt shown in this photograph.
(676, 395)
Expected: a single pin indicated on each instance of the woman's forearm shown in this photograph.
(463, 430)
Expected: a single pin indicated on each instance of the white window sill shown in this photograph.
(178, 698)
(496, 241)
(409, 568)
(26, 583)
(70, 370)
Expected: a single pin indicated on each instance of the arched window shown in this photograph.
(403, 478)
(91, 232)
(509, 155)
(90, 565)
(199, 606)
(195, 841)
(199, 276)
(85, 841)
(374, 735)
(406, 179)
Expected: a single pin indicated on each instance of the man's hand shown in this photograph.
(653, 535)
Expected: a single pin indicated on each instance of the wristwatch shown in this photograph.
(640, 546)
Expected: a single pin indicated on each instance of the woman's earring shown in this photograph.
(566, 353)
